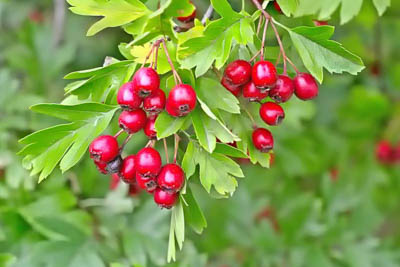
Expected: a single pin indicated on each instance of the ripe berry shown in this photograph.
(114, 181)
(238, 72)
(305, 86)
(384, 152)
(128, 170)
(134, 190)
(104, 148)
(132, 121)
(165, 199)
(155, 103)
(234, 89)
(146, 183)
(189, 18)
(114, 165)
(181, 100)
(252, 93)
(101, 166)
(148, 162)
(145, 81)
(271, 113)
(283, 89)
(264, 75)
(150, 129)
(127, 98)
(277, 6)
(263, 140)
(171, 178)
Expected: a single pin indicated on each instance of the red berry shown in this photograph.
(277, 7)
(165, 199)
(171, 178)
(396, 153)
(271, 113)
(145, 81)
(238, 72)
(134, 190)
(320, 23)
(305, 86)
(146, 183)
(189, 18)
(132, 121)
(264, 75)
(181, 100)
(384, 152)
(101, 166)
(114, 181)
(263, 140)
(128, 170)
(283, 89)
(148, 162)
(155, 103)
(252, 93)
(150, 129)
(104, 148)
(234, 89)
(127, 98)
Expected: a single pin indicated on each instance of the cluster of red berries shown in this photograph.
(142, 100)
(386, 153)
(258, 82)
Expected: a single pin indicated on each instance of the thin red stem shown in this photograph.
(125, 142)
(279, 57)
(166, 150)
(278, 38)
(148, 56)
(250, 116)
(177, 139)
(263, 38)
(294, 66)
(118, 133)
(156, 59)
(260, 22)
(174, 72)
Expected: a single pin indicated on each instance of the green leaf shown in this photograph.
(188, 161)
(349, 10)
(167, 125)
(177, 230)
(193, 214)
(381, 6)
(223, 8)
(288, 7)
(229, 150)
(205, 137)
(115, 12)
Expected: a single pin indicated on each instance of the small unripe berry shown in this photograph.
(181, 100)
(263, 140)
(171, 177)
(252, 93)
(165, 199)
(147, 183)
(145, 81)
(271, 113)
(264, 75)
(283, 89)
(305, 86)
(238, 72)
(150, 129)
(155, 103)
(127, 98)
(148, 162)
(234, 89)
(104, 148)
(128, 170)
(132, 121)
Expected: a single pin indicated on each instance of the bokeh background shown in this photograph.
(326, 201)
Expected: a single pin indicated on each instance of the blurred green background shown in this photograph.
(326, 201)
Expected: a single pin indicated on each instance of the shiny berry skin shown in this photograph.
(277, 6)
(132, 121)
(263, 140)
(150, 129)
(148, 162)
(252, 93)
(165, 199)
(283, 89)
(181, 100)
(128, 170)
(127, 98)
(114, 181)
(101, 166)
(114, 165)
(264, 75)
(171, 178)
(305, 86)
(155, 103)
(145, 81)
(271, 113)
(104, 148)
(384, 152)
(148, 184)
(234, 89)
(238, 72)
(189, 18)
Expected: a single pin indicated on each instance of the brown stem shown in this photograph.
(118, 133)
(250, 117)
(292, 64)
(208, 14)
(259, 7)
(177, 139)
(174, 72)
(263, 38)
(260, 22)
(125, 142)
(166, 150)
(255, 56)
(148, 56)
(282, 49)
(156, 57)
(151, 143)
(279, 58)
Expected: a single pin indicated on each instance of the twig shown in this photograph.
(125, 142)
(263, 38)
(174, 72)
(278, 38)
(118, 133)
(177, 139)
(208, 14)
(166, 150)
(255, 56)
(260, 22)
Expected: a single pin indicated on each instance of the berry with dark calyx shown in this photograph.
(150, 129)
(104, 148)
(272, 113)
(165, 199)
(283, 89)
(277, 6)
(384, 152)
(127, 97)
(171, 178)
(114, 165)
(238, 72)
(263, 140)
(181, 100)
(234, 89)
(148, 162)
(264, 75)
(189, 18)
(128, 170)
(155, 103)
(132, 121)
(101, 166)
(114, 181)
(148, 184)
(145, 81)
(305, 86)
(252, 93)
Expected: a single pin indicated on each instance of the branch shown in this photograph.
(208, 14)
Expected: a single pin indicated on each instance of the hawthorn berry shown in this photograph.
(101, 166)
(104, 148)
(114, 181)
(189, 18)
(171, 177)
(305, 86)
(155, 103)
(165, 199)
(272, 113)
(147, 183)
(277, 6)
(148, 162)
(264, 75)
(128, 170)
(150, 129)
(114, 165)
(132, 121)
(234, 89)
(145, 81)
(181, 100)
(263, 140)
(283, 89)
(384, 152)
(127, 98)
(238, 72)
(134, 190)
(252, 93)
